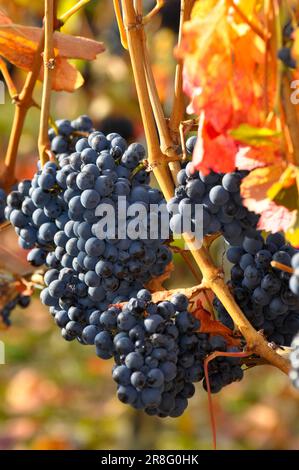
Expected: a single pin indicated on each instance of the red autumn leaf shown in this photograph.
(249, 158)
(18, 45)
(223, 76)
(223, 58)
(213, 327)
(214, 151)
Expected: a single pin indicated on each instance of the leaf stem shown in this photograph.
(282, 267)
(255, 341)
(66, 16)
(8, 80)
(206, 372)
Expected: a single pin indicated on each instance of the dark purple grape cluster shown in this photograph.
(262, 291)
(294, 358)
(55, 216)
(20, 300)
(219, 194)
(158, 353)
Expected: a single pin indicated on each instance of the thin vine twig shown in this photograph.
(178, 110)
(282, 267)
(154, 11)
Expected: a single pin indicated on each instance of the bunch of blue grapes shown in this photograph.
(294, 358)
(219, 194)
(285, 55)
(158, 352)
(20, 300)
(261, 290)
(87, 271)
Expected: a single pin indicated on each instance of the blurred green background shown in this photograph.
(58, 395)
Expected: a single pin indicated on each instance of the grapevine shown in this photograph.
(105, 288)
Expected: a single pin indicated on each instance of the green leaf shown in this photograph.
(255, 136)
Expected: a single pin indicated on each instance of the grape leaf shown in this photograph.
(213, 151)
(275, 218)
(18, 45)
(224, 76)
(285, 192)
(255, 187)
